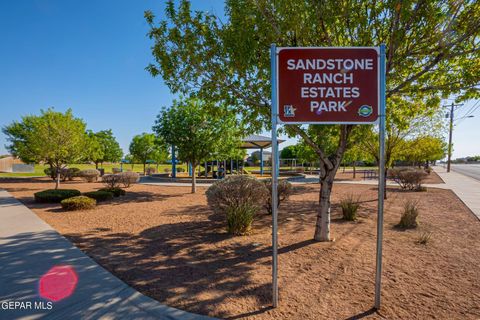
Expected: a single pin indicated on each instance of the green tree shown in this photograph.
(94, 151)
(432, 52)
(198, 133)
(424, 150)
(144, 147)
(103, 147)
(289, 152)
(110, 147)
(52, 137)
(161, 154)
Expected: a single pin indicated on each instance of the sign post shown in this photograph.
(327, 85)
(275, 163)
(381, 177)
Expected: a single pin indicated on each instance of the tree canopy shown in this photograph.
(110, 147)
(198, 133)
(432, 53)
(52, 137)
(146, 146)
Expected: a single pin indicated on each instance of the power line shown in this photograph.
(471, 108)
(467, 116)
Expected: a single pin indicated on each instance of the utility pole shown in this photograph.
(452, 108)
(450, 138)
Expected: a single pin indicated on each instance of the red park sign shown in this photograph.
(328, 85)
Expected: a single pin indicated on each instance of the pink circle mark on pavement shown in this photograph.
(58, 283)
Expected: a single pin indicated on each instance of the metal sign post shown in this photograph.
(273, 62)
(329, 85)
(381, 177)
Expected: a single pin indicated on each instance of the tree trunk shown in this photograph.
(194, 178)
(96, 165)
(322, 228)
(354, 170)
(57, 180)
(144, 169)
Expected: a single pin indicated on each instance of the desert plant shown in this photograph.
(424, 238)
(236, 191)
(350, 205)
(117, 192)
(89, 175)
(240, 219)
(55, 195)
(284, 190)
(111, 180)
(408, 179)
(116, 170)
(128, 178)
(100, 195)
(409, 215)
(78, 203)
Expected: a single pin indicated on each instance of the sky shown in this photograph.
(90, 56)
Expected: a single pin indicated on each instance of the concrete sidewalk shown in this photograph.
(466, 188)
(29, 248)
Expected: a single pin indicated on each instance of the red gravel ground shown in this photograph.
(166, 243)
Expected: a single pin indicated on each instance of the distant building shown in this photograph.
(13, 164)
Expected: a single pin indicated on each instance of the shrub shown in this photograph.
(51, 173)
(408, 179)
(240, 219)
(424, 238)
(100, 195)
(65, 173)
(78, 203)
(128, 178)
(180, 169)
(71, 173)
(167, 170)
(409, 215)
(284, 190)
(350, 205)
(111, 180)
(117, 192)
(89, 175)
(55, 195)
(151, 171)
(116, 170)
(236, 191)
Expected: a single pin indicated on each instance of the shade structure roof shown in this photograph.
(256, 142)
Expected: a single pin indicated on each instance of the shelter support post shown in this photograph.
(174, 163)
(261, 161)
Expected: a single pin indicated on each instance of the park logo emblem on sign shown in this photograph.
(328, 85)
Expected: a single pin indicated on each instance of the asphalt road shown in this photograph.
(471, 170)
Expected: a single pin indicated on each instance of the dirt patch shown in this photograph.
(166, 243)
(433, 178)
